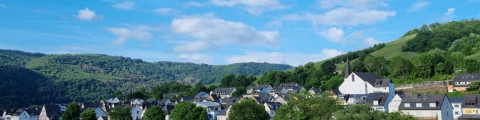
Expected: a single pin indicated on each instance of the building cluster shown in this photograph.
(357, 88)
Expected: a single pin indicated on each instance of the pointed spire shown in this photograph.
(347, 69)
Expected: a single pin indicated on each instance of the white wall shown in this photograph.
(457, 109)
(355, 87)
(136, 112)
(394, 104)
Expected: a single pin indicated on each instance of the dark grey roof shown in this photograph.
(258, 87)
(223, 91)
(382, 82)
(230, 100)
(469, 117)
(263, 97)
(380, 97)
(424, 99)
(471, 101)
(456, 99)
(34, 111)
(223, 112)
(315, 90)
(273, 105)
(168, 109)
(53, 110)
(336, 91)
(201, 94)
(91, 104)
(465, 78)
(188, 99)
(371, 78)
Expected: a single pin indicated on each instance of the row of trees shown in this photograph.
(73, 112)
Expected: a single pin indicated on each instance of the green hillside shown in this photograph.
(82, 77)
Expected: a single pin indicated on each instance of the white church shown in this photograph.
(365, 83)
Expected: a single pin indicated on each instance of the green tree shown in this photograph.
(239, 92)
(400, 66)
(364, 112)
(188, 111)
(424, 64)
(88, 114)
(328, 68)
(227, 80)
(376, 65)
(154, 113)
(248, 110)
(251, 78)
(305, 106)
(120, 113)
(72, 112)
(357, 66)
(472, 66)
(457, 59)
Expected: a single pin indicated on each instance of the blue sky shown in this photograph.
(290, 32)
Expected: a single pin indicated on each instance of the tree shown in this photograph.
(251, 79)
(376, 65)
(424, 64)
(357, 66)
(472, 66)
(305, 106)
(248, 110)
(72, 112)
(400, 66)
(88, 114)
(364, 112)
(154, 113)
(457, 59)
(239, 92)
(120, 113)
(188, 111)
(328, 68)
(227, 80)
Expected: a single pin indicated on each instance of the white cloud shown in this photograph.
(274, 24)
(125, 5)
(418, 6)
(294, 59)
(194, 3)
(194, 46)
(254, 7)
(334, 34)
(197, 58)
(449, 14)
(361, 4)
(356, 34)
(124, 34)
(88, 15)
(348, 16)
(164, 11)
(209, 29)
(371, 41)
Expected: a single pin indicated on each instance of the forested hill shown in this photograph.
(36, 78)
(428, 53)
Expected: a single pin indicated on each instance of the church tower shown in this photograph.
(347, 69)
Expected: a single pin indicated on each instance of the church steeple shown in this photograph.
(347, 69)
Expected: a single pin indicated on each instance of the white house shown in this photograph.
(395, 103)
(427, 106)
(259, 89)
(457, 103)
(365, 83)
(223, 114)
(136, 112)
(271, 107)
(50, 112)
(212, 108)
(223, 92)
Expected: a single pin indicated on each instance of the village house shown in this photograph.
(259, 89)
(471, 107)
(212, 108)
(223, 114)
(96, 106)
(271, 107)
(427, 106)
(462, 81)
(395, 103)
(224, 92)
(50, 112)
(365, 83)
(457, 103)
(21, 114)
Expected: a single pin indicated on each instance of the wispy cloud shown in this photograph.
(125, 5)
(449, 15)
(254, 7)
(418, 6)
(196, 58)
(294, 59)
(164, 11)
(371, 41)
(124, 34)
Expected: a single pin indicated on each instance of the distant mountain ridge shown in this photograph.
(81, 77)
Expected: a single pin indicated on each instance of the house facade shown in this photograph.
(212, 108)
(427, 106)
(462, 81)
(457, 103)
(395, 103)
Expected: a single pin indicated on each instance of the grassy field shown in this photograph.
(394, 48)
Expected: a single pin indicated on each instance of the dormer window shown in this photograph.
(406, 104)
(433, 105)
(418, 104)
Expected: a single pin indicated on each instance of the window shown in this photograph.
(468, 111)
(353, 78)
(456, 113)
(418, 104)
(456, 106)
(406, 104)
(433, 105)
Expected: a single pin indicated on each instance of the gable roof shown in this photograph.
(456, 99)
(315, 90)
(273, 105)
(371, 78)
(473, 98)
(52, 110)
(201, 94)
(424, 99)
(465, 78)
(380, 97)
(223, 91)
